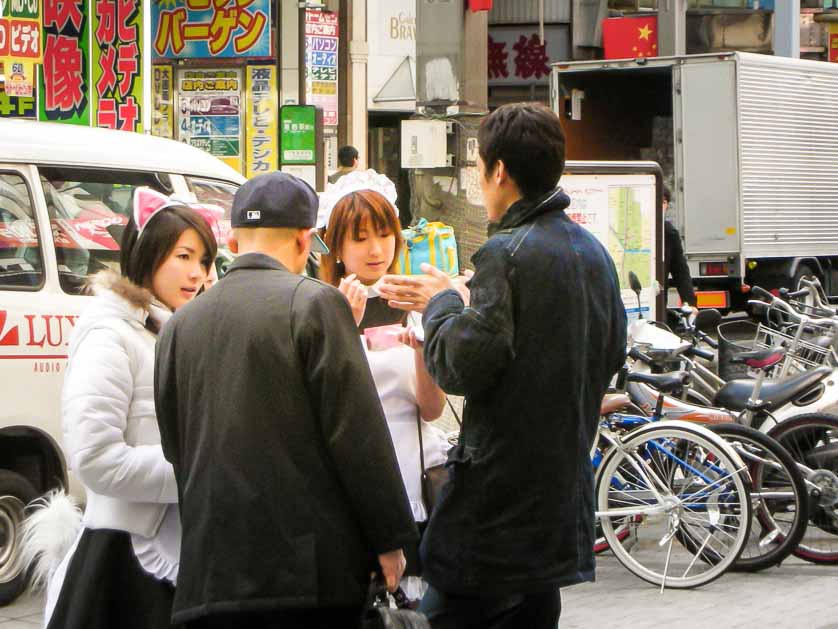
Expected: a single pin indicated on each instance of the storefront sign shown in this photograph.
(19, 78)
(17, 106)
(517, 56)
(321, 60)
(204, 29)
(297, 134)
(20, 45)
(117, 60)
(261, 120)
(162, 92)
(833, 43)
(210, 114)
(65, 80)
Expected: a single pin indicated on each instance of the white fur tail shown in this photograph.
(48, 533)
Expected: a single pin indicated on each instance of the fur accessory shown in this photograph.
(353, 182)
(48, 533)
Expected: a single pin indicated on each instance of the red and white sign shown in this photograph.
(321, 61)
(517, 56)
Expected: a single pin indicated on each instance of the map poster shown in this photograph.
(210, 112)
(620, 211)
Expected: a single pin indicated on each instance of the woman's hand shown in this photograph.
(408, 337)
(356, 295)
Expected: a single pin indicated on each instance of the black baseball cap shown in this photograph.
(277, 199)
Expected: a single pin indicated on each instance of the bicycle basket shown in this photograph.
(811, 350)
(734, 337)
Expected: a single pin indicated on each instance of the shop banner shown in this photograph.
(17, 106)
(518, 57)
(162, 92)
(833, 43)
(20, 30)
(19, 77)
(321, 61)
(210, 115)
(65, 78)
(262, 115)
(203, 29)
(298, 134)
(117, 62)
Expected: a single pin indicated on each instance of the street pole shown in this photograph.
(787, 28)
(147, 68)
(672, 27)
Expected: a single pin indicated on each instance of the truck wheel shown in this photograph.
(15, 493)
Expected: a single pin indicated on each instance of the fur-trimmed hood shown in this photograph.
(112, 281)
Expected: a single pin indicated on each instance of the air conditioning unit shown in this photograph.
(424, 144)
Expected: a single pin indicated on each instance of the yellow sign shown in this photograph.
(262, 152)
(19, 77)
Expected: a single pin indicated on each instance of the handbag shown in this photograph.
(378, 614)
(433, 243)
(434, 477)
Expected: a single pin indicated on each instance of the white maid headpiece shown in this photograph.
(353, 182)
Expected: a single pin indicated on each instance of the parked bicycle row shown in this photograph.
(699, 472)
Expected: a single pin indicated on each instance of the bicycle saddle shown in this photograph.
(735, 394)
(613, 403)
(663, 382)
(760, 358)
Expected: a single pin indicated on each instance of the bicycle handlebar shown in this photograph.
(761, 292)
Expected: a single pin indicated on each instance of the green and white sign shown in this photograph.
(297, 134)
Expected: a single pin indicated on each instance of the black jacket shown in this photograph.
(288, 481)
(676, 264)
(533, 354)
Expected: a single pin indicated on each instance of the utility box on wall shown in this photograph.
(424, 144)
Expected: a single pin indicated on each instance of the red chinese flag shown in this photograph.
(630, 37)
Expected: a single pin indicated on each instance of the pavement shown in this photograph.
(797, 595)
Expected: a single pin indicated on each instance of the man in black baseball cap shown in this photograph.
(270, 418)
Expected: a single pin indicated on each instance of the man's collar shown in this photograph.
(256, 261)
(524, 210)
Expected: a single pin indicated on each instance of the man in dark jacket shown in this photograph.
(674, 258)
(533, 353)
(288, 481)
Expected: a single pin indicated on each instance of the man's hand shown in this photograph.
(413, 292)
(460, 285)
(356, 295)
(392, 568)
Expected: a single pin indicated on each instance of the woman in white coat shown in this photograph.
(121, 570)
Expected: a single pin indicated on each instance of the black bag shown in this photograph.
(379, 615)
(434, 477)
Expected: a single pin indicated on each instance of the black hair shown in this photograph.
(667, 196)
(141, 257)
(347, 156)
(529, 140)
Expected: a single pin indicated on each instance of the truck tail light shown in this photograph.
(713, 268)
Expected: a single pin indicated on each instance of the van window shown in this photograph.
(88, 211)
(21, 263)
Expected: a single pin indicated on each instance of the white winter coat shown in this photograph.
(110, 429)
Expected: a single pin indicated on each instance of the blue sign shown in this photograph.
(234, 29)
(210, 126)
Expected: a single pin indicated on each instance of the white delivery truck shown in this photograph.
(65, 192)
(748, 144)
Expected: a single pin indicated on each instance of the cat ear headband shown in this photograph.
(149, 203)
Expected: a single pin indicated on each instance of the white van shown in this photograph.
(64, 190)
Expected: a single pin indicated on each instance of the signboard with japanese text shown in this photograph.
(261, 117)
(162, 93)
(65, 76)
(219, 29)
(20, 45)
(19, 77)
(117, 64)
(298, 138)
(210, 112)
(321, 63)
(517, 56)
(832, 39)
(16, 106)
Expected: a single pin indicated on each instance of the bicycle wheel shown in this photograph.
(778, 497)
(668, 482)
(812, 440)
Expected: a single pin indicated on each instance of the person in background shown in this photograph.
(533, 353)
(675, 261)
(347, 162)
(121, 570)
(289, 485)
(364, 239)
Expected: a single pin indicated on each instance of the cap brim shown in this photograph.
(317, 244)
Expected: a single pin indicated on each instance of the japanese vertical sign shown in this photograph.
(211, 28)
(117, 60)
(298, 134)
(209, 112)
(65, 80)
(261, 120)
(832, 39)
(321, 61)
(20, 45)
(162, 90)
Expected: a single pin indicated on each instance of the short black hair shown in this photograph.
(347, 155)
(667, 195)
(529, 140)
(141, 257)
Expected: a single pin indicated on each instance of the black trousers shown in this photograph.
(325, 618)
(516, 611)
